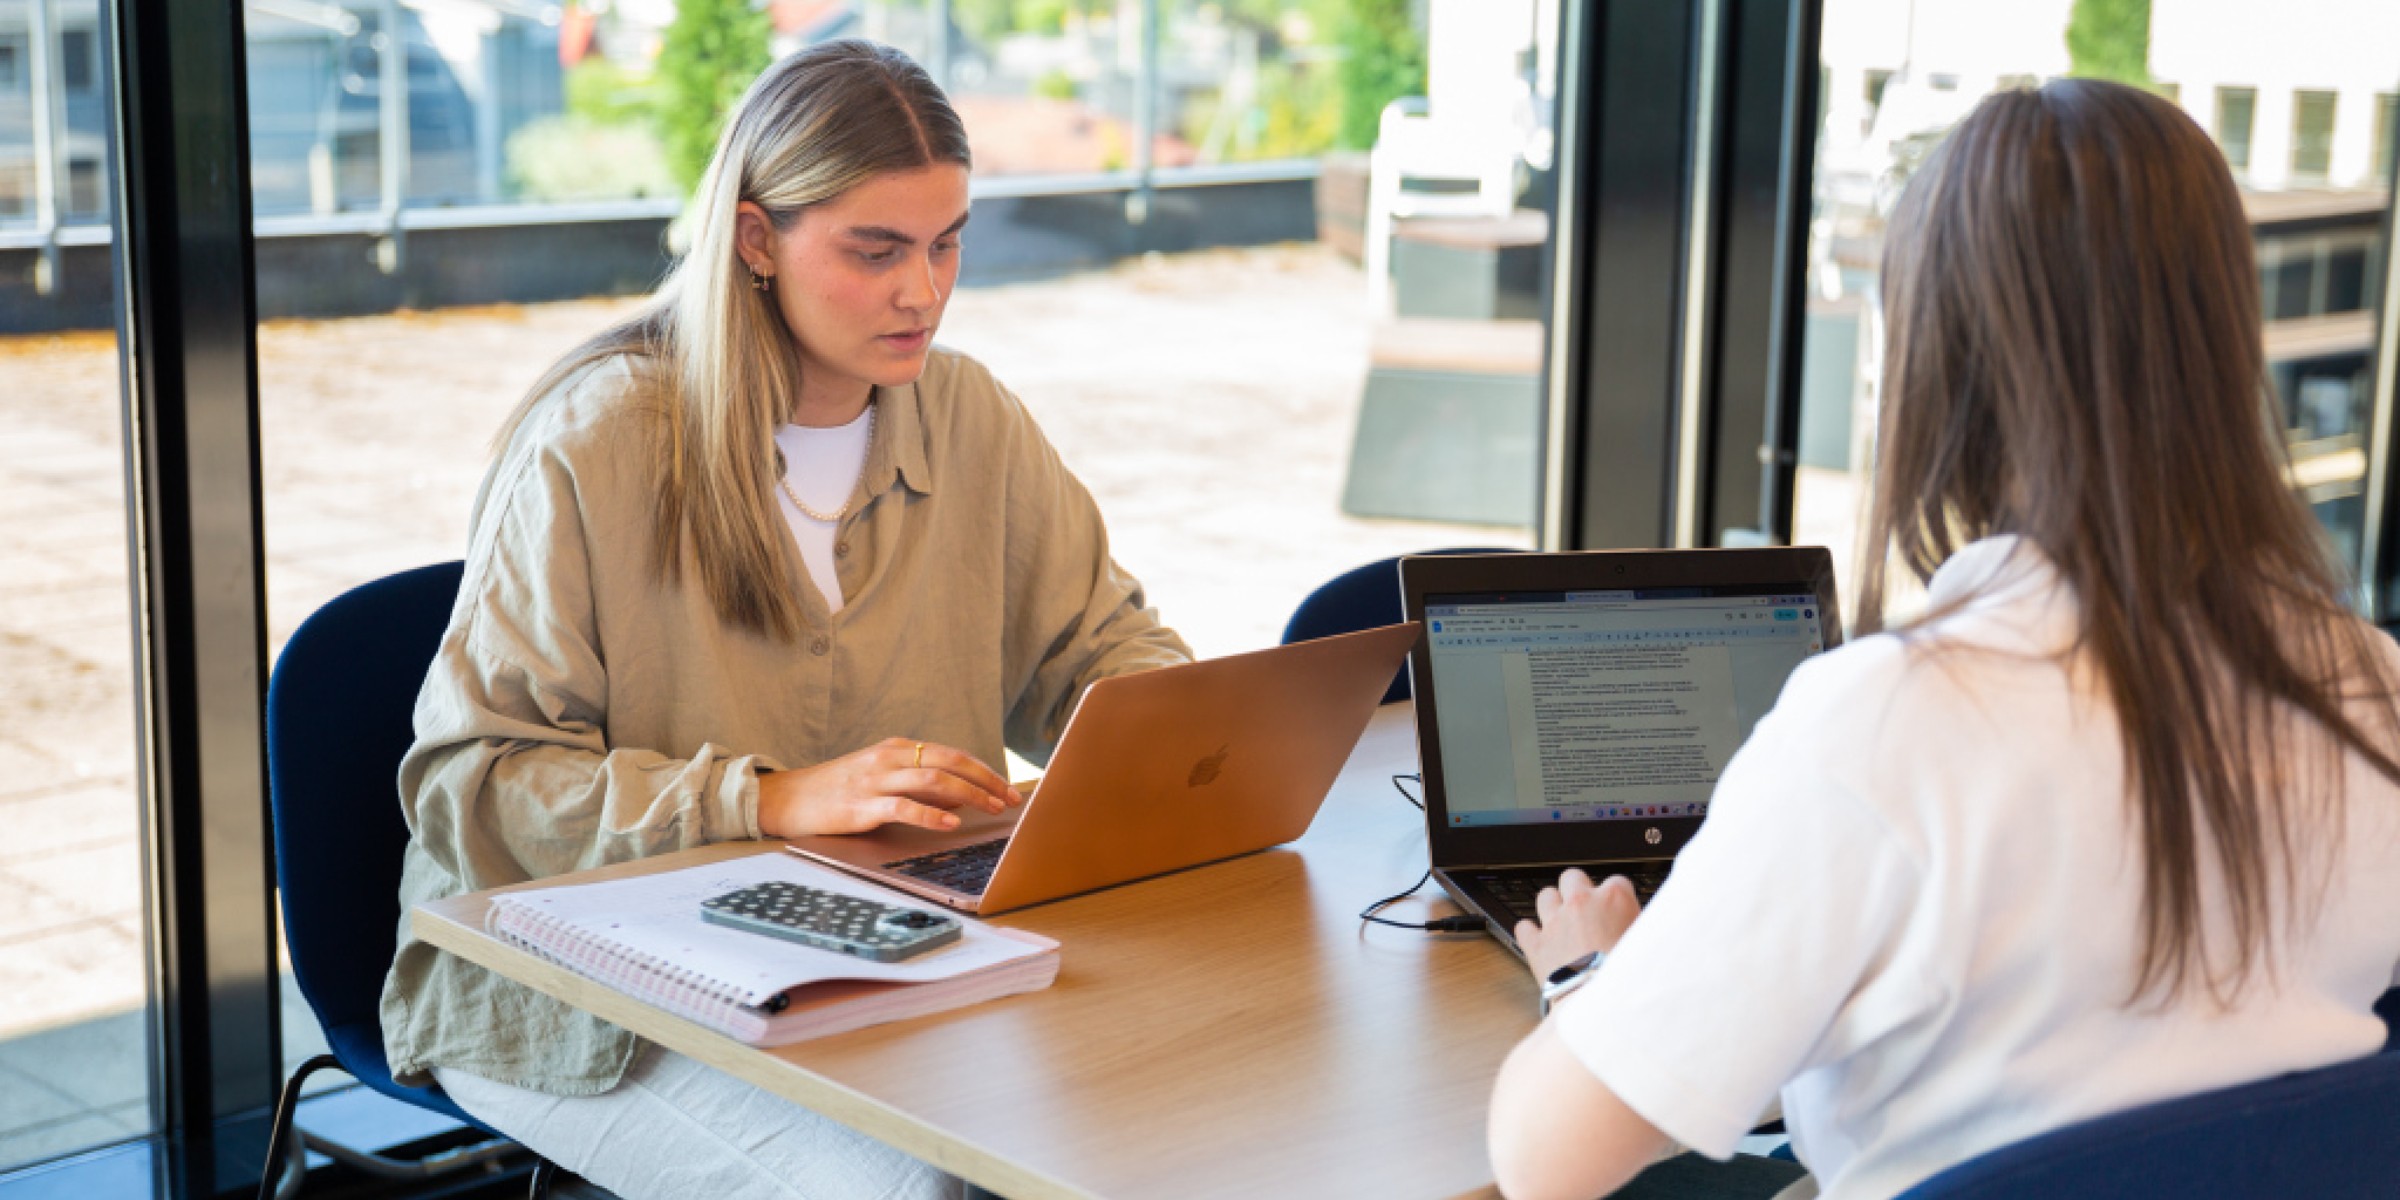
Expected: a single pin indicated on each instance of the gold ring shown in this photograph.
(920, 755)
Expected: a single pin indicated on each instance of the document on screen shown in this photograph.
(1620, 724)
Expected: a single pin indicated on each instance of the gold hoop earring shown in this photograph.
(761, 283)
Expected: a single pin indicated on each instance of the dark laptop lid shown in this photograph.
(1578, 707)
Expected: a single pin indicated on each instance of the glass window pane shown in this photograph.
(2236, 112)
(2306, 158)
(1048, 88)
(2387, 128)
(1248, 423)
(2312, 135)
(74, 1067)
(1243, 83)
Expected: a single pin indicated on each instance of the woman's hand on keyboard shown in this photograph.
(893, 781)
(1576, 918)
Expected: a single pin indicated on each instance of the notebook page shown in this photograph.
(658, 916)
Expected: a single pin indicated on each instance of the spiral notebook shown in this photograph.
(644, 937)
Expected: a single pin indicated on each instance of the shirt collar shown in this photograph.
(898, 452)
(2001, 566)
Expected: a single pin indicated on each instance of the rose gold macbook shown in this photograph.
(1158, 771)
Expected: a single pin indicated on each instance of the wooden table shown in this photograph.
(1228, 1031)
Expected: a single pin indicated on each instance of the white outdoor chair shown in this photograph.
(1454, 151)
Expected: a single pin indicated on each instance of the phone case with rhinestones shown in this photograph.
(832, 921)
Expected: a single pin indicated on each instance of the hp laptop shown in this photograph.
(1156, 772)
(1574, 710)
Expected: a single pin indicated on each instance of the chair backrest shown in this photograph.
(1363, 597)
(1475, 67)
(338, 721)
(2329, 1134)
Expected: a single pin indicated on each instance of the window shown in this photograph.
(2387, 129)
(73, 923)
(16, 190)
(2321, 254)
(2312, 135)
(2236, 109)
(1445, 386)
(75, 60)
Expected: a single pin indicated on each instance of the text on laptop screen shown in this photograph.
(1609, 705)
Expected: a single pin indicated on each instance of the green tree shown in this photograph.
(603, 93)
(710, 54)
(2110, 39)
(987, 20)
(1383, 59)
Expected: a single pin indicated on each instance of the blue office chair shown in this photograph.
(1362, 598)
(338, 720)
(2328, 1134)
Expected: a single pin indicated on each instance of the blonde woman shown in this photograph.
(2117, 821)
(760, 561)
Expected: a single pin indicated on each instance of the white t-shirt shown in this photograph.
(822, 465)
(1914, 909)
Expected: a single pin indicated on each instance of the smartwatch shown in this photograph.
(1569, 977)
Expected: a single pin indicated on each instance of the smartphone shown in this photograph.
(868, 929)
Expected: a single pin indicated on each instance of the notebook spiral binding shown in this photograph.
(684, 992)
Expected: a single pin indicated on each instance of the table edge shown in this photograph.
(754, 1065)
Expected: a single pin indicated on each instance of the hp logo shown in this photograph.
(1651, 836)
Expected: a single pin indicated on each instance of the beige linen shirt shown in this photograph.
(584, 710)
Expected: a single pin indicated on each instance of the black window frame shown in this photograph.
(1681, 264)
(1686, 136)
(187, 322)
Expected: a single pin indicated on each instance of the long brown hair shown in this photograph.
(2074, 357)
(712, 354)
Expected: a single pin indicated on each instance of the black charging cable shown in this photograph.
(1462, 923)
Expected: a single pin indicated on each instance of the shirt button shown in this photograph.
(841, 549)
(819, 646)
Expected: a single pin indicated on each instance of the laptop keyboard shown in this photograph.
(1516, 888)
(962, 869)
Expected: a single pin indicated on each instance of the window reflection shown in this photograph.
(1248, 422)
(2307, 134)
(73, 985)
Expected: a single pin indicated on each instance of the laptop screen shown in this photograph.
(1606, 705)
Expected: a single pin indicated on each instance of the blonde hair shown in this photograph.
(712, 354)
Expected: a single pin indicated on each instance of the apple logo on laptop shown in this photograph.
(1205, 771)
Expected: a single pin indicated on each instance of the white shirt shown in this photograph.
(822, 465)
(1914, 908)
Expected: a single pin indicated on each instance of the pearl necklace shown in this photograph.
(783, 479)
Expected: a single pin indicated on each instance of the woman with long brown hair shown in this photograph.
(2116, 820)
(761, 560)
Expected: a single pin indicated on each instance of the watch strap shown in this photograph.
(1568, 977)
